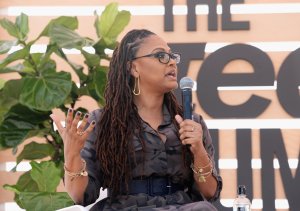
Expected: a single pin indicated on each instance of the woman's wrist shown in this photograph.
(73, 163)
(199, 151)
(202, 167)
(75, 174)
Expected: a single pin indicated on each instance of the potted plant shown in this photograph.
(27, 102)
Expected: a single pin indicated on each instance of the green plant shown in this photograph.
(27, 102)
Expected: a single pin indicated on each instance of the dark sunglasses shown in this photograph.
(163, 57)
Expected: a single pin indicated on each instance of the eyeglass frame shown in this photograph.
(155, 55)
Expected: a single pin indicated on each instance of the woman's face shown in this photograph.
(154, 75)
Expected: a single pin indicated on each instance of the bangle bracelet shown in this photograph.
(199, 172)
(81, 173)
(202, 176)
(200, 169)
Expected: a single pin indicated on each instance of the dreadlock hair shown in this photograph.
(120, 119)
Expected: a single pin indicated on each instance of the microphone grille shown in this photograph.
(186, 83)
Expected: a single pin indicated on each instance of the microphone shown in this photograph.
(186, 85)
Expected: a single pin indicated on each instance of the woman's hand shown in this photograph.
(190, 133)
(73, 136)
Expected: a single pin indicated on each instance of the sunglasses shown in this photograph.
(163, 57)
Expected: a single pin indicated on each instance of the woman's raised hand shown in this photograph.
(73, 136)
(190, 133)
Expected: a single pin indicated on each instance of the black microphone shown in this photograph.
(186, 85)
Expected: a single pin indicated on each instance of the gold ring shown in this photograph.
(80, 133)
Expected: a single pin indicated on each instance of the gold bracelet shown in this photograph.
(201, 172)
(81, 173)
(200, 169)
(202, 178)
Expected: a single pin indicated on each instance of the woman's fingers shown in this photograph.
(81, 130)
(69, 118)
(73, 133)
(83, 123)
(76, 119)
(190, 131)
(89, 129)
(179, 119)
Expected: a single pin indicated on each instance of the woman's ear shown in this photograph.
(134, 72)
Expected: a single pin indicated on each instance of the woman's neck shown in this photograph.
(150, 109)
(151, 103)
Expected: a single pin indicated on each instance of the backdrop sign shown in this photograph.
(244, 57)
(211, 75)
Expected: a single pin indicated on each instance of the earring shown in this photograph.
(136, 89)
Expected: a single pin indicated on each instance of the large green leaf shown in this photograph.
(111, 23)
(21, 123)
(67, 38)
(46, 92)
(91, 59)
(26, 183)
(5, 45)
(9, 96)
(17, 123)
(44, 201)
(35, 150)
(104, 22)
(10, 135)
(2, 82)
(14, 130)
(48, 67)
(29, 115)
(46, 175)
(12, 89)
(10, 27)
(22, 24)
(69, 22)
(20, 54)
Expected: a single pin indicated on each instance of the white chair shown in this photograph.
(102, 195)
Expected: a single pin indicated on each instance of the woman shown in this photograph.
(138, 146)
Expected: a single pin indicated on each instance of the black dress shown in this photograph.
(162, 159)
